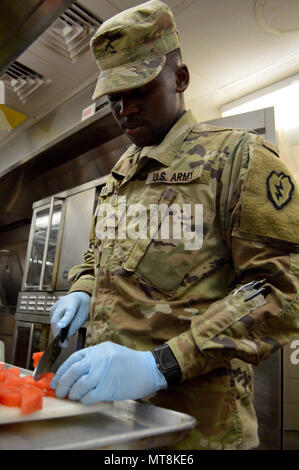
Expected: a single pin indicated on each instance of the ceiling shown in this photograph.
(232, 48)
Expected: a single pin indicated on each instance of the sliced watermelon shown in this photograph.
(36, 357)
(3, 376)
(13, 371)
(31, 400)
(45, 382)
(9, 395)
(42, 384)
(29, 380)
(24, 392)
(13, 380)
(50, 392)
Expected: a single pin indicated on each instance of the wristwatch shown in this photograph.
(167, 364)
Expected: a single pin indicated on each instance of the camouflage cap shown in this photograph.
(130, 48)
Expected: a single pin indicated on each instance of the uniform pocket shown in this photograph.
(165, 257)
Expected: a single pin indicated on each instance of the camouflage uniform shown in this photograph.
(146, 292)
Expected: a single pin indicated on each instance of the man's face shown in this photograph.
(147, 113)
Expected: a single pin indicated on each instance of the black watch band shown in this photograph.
(167, 364)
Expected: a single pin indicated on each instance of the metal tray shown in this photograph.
(115, 425)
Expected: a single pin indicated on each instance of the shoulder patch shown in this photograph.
(270, 199)
(279, 189)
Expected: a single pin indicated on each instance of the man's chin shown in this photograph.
(140, 142)
(140, 139)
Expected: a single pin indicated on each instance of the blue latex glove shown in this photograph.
(107, 372)
(71, 309)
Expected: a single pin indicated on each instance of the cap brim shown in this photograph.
(128, 76)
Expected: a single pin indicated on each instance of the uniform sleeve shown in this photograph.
(261, 230)
(82, 276)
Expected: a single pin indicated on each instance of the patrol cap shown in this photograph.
(130, 48)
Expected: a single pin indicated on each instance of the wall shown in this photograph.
(289, 153)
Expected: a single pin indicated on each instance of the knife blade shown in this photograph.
(48, 359)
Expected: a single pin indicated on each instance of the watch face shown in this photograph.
(167, 363)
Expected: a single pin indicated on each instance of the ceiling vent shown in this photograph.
(70, 34)
(23, 81)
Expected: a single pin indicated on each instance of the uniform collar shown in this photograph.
(165, 152)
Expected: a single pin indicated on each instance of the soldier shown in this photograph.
(177, 325)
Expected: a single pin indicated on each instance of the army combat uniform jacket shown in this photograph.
(150, 290)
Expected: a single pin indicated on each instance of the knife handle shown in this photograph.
(63, 333)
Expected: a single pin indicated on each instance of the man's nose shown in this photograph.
(127, 106)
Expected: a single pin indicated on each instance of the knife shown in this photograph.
(48, 359)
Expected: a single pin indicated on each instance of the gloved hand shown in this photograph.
(107, 372)
(71, 309)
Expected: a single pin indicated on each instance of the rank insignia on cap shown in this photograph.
(279, 189)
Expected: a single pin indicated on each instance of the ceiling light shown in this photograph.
(284, 96)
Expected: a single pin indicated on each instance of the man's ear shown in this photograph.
(182, 78)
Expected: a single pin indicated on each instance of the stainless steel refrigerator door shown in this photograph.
(75, 238)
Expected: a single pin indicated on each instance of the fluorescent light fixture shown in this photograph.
(283, 95)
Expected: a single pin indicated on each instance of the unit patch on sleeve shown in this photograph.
(270, 199)
(279, 189)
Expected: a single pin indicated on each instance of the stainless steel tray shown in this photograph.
(115, 425)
